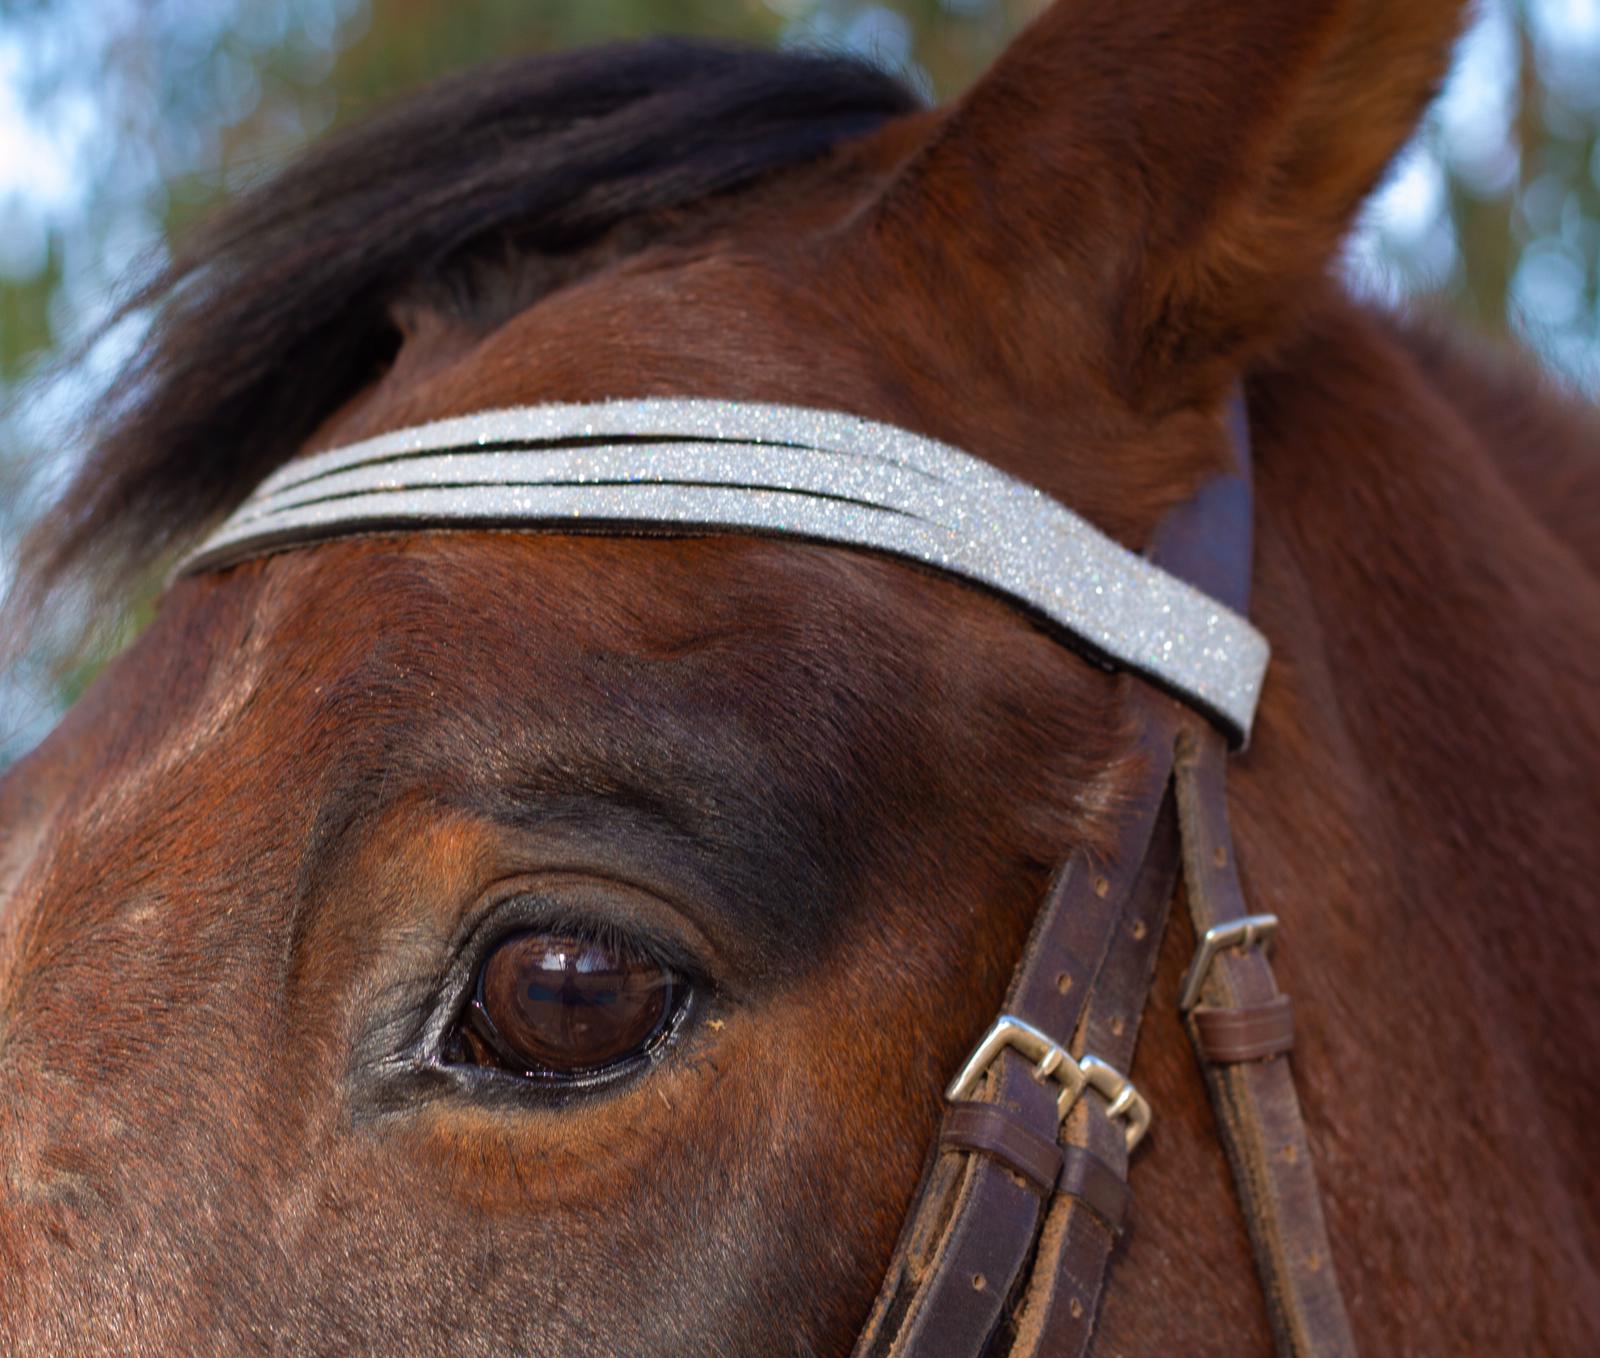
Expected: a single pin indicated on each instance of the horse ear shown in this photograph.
(1178, 173)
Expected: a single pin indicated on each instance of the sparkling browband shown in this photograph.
(693, 465)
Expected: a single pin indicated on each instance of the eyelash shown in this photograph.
(634, 945)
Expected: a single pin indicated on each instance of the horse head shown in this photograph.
(472, 940)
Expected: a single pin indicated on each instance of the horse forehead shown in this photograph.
(320, 664)
(566, 600)
(341, 651)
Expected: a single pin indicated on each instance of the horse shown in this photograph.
(699, 861)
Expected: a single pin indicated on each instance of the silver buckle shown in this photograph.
(1244, 932)
(1052, 1060)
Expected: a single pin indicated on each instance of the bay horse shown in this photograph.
(781, 814)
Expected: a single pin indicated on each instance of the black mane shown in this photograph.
(276, 311)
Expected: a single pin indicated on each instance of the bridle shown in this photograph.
(1006, 1248)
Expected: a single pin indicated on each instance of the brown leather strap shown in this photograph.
(1251, 1033)
(1085, 1176)
(964, 1251)
(1058, 1312)
(998, 1132)
(1257, 1110)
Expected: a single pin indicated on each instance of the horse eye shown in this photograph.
(552, 1006)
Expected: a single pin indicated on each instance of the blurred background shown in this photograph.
(122, 120)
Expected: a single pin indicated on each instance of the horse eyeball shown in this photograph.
(549, 1004)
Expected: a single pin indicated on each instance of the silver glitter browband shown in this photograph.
(691, 465)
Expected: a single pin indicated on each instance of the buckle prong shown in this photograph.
(1244, 932)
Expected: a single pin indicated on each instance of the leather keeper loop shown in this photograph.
(1046, 1167)
(990, 1130)
(1088, 1178)
(1254, 1033)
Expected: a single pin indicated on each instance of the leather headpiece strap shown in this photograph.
(1006, 1247)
